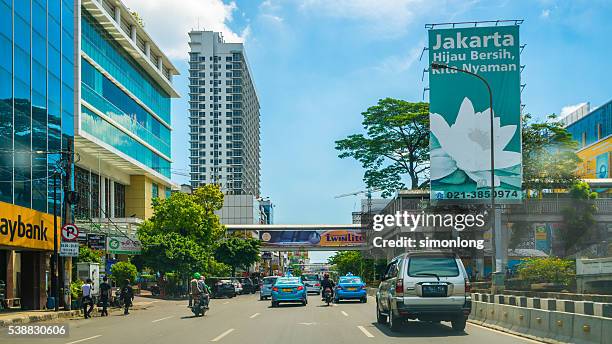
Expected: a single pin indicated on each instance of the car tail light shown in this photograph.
(363, 287)
(399, 287)
(468, 286)
(339, 287)
(318, 285)
(274, 289)
(300, 288)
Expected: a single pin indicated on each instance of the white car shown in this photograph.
(237, 286)
(312, 283)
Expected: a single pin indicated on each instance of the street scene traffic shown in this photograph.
(309, 171)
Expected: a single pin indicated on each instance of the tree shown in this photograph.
(355, 263)
(578, 218)
(87, 255)
(183, 232)
(122, 271)
(396, 144)
(549, 158)
(238, 252)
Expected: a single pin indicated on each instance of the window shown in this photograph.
(155, 191)
(119, 200)
(433, 266)
(391, 270)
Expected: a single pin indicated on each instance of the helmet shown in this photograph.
(196, 275)
(326, 275)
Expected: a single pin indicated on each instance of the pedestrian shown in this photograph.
(127, 294)
(105, 295)
(86, 300)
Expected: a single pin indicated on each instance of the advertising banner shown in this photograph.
(602, 168)
(460, 139)
(123, 245)
(96, 241)
(26, 228)
(312, 238)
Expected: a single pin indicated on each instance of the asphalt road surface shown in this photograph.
(246, 320)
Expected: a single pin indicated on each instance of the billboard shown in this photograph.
(123, 245)
(312, 238)
(460, 139)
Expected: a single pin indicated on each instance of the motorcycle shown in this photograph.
(200, 306)
(327, 295)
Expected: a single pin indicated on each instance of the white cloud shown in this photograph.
(545, 13)
(385, 17)
(566, 110)
(168, 21)
(401, 63)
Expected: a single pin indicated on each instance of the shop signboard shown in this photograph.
(123, 245)
(460, 139)
(96, 241)
(26, 228)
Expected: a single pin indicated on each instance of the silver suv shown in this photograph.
(424, 285)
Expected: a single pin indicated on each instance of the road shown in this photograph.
(245, 319)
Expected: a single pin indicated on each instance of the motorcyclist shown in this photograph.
(205, 290)
(327, 283)
(194, 288)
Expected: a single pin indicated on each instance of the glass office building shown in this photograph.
(124, 122)
(37, 105)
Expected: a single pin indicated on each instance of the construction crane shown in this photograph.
(368, 192)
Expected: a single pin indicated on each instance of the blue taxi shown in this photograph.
(289, 289)
(351, 287)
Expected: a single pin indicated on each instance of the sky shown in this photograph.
(317, 64)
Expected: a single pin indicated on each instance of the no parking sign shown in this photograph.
(70, 232)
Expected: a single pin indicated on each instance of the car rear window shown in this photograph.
(430, 266)
(269, 280)
(310, 277)
(350, 280)
(288, 281)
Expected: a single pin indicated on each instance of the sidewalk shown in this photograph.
(22, 317)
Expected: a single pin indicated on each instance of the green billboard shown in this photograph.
(460, 145)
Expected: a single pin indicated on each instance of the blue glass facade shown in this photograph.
(106, 72)
(593, 127)
(36, 97)
(100, 47)
(98, 127)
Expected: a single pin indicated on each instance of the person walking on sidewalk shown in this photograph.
(87, 300)
(105, 295)
(127, 294)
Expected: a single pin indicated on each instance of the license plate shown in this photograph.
(434, 290)
(287, 290)
(351, 289)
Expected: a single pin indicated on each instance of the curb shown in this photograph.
(518, 334)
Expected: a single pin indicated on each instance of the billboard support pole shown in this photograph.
(496, 259)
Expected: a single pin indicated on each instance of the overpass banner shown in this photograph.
(312, 238)
(460, 139)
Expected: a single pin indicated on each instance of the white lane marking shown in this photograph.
(226, 302)
(154, 321)
(506, 333)
(219, 337)
(84, 339)
(366, 332)
(344, 313)
(254, 315)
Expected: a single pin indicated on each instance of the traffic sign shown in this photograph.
(70, 232)
(69, 249)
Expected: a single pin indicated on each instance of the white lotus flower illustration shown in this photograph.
(466, 145)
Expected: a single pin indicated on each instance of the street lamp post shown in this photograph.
(494, 235)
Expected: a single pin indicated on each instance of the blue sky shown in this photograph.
(318, 64)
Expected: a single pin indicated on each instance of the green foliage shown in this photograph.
(216, 268)
(549, 158)
(354, 262)
(547, 270)
(296, 270)
(578, 218)
(75, 289)
(183, 232)
(87, 255)
(396, 143)
(121, 271)
(238, 252)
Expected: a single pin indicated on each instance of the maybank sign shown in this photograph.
(25, 228)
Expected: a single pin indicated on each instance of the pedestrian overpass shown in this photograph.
(306, 237)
